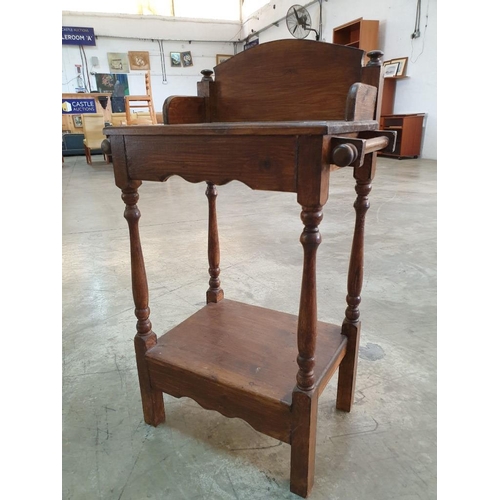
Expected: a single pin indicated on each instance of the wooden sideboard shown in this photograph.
(409, 130)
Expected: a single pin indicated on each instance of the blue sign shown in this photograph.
(251, 44)
(72, 35)
(78, 106)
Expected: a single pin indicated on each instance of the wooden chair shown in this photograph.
(93, 125)
(133, 102)
(309, 110)
(118, 119)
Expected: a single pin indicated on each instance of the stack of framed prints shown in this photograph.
(395, 67)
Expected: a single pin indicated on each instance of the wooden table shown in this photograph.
(264, 366)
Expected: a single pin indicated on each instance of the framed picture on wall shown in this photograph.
(175, 59)
(186, 59)
(118, 63)
(115, 84)
(139, 60)
(77, 121)
(222, 57)
(105, 82)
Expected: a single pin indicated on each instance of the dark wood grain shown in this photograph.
(351, 327)
(372, 75)
(152, 399)
(286, 80)
(313, 170)
(308, 313)
(361, 101)
(240, 360)
(183, 109)
(303, 441)
(281, 128)
(118, 153)
(206, 89)
(258, 162)
(269, 416)
(214, 292)
(245, 347)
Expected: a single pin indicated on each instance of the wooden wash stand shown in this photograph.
(280, 116)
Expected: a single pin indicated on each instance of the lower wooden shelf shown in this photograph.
(243, 358)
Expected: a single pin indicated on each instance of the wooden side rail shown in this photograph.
(190, 109)
(350, 151)
(361, 101)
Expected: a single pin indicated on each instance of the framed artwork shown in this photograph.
(391, 69)
(223, 57)
(116, 84)
(118, 63)
(139, 60)
(77, 121)
(105, 82)
(175, 59)
(403, 62)
(186, 59)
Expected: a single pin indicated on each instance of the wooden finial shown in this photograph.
(375, 58)
(344, 155)
(207, 75)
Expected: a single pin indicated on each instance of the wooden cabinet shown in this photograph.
(360, 33)
(409, 130)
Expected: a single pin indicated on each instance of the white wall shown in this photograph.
(178, 81)
(131, 33)
(417, 94)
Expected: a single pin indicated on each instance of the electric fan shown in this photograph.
(298, 22)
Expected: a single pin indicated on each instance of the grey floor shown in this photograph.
(384, 449)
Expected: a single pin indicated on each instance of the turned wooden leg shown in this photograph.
(308, 309)
(152, 399)
(87, 155)
(305, 398)
(351, 327)
(303, 441)
(215, 292)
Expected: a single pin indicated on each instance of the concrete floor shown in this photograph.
(384, 449)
